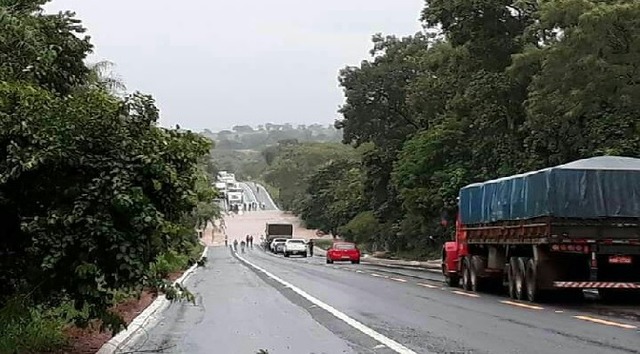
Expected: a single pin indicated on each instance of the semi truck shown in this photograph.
(551, 232)
(277, 230)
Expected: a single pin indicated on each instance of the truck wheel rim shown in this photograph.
(519, 285)
(530, 285)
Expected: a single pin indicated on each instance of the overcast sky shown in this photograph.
(214, 64)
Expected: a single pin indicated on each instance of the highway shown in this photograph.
(257, 300)
(254, 192)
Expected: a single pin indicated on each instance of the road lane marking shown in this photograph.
(465, 293)
(399, 280)
(605, 322)
(359, 271)
(428, 286)
(559, 311)
(378, 275)
(519, 304)
(392, 344)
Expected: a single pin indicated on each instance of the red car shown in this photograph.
(343, 251)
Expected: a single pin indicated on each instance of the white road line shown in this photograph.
(378, 275)
(605, 322)
(519, 304)
(395, 346)
(465, 294)
(428, 286)
(399, 280)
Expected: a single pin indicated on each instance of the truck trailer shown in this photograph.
(277, 230)
(550, 233)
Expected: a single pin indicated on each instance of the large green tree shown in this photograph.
(92, 190)
(584, 96)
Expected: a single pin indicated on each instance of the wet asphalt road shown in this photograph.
(256, 193)
(240, 310)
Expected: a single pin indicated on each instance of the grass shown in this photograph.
(34, 329)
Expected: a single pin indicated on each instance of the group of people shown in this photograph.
(253, 206)
(246, 243)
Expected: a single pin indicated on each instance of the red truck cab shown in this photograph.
(452, 251)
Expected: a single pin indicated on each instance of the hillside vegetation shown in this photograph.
(504, 87)
(97, 202)
(240, 149)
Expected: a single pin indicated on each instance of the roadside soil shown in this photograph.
(90, 340)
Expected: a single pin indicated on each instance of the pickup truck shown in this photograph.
(295, 246)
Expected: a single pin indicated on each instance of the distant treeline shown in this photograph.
(245, 137)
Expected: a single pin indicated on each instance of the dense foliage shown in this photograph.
(92, 191)
(239, 150)
(503, 87)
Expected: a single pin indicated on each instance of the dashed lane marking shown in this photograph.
(465, 293)
(605, 322)
(399, 280)
(382, 339)
(519, 304)
(428, 286)
(359, 271)
(378, 275)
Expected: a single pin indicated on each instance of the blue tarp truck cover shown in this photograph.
(599, 187)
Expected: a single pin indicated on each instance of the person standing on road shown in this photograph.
(242, 244)
(247, 239)
(226, 240)
(235, 245)
(251, 241)
(310, 244)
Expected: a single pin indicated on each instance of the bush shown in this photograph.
(34, 329)
(362, 229)
(324, 244)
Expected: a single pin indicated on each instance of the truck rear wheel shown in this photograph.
(520, 282)
(531, 277)
(466, 274)
(476, 269)
(511, 279)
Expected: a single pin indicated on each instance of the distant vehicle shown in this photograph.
(222, 187)
(277, 230)
(277, 245)
(235, 195)
(295, 246)
(343, 252)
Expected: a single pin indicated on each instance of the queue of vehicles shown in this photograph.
(279, 240)
(229, 189)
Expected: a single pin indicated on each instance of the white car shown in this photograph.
(277, 245)
(295, 246)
